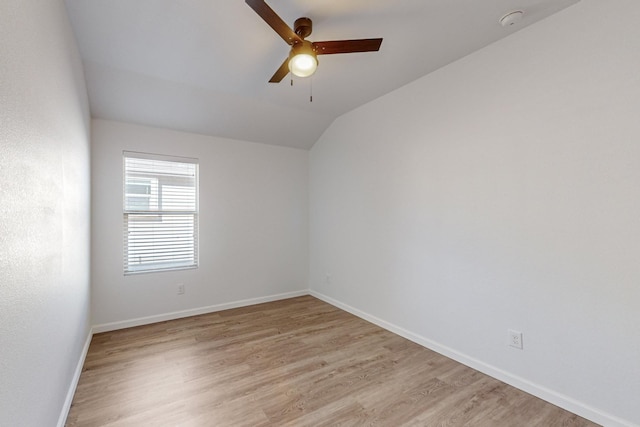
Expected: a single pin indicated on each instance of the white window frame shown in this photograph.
(163, 247)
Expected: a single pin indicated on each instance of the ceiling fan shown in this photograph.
(302, 60)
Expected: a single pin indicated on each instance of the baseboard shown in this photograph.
(105, 327)
(523, 384)
(74, 382)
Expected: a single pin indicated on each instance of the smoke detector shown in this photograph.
(511, 18)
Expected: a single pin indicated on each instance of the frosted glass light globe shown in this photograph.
(303, 65)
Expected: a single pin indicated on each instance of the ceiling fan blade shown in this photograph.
(281, 73)
(274, 21)
(347, 46)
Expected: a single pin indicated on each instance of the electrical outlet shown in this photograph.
(328, 279)
(515, 338)
(180, 289)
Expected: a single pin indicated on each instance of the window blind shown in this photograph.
(160, 212)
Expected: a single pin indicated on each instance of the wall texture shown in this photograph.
(44, 212)
(501, 191)
(253, 226)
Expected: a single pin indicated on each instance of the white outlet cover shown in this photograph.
(515, 339)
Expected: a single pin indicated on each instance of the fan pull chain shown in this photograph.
(311, 89)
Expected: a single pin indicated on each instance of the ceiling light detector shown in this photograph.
(511, 18)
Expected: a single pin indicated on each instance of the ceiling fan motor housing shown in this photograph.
(303, 27)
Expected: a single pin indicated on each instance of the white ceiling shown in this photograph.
(203, 66)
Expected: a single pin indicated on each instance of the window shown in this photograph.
(160, 212)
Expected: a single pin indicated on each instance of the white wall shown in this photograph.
(253, 225)
(44, 212)
(502, 191)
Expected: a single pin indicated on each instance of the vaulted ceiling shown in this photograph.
(203, 66)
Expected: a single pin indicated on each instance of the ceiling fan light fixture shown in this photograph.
(303, 60)
(303, 56)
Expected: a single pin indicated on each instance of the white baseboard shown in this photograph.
(523, 384)
(105, 327)
(74, 382)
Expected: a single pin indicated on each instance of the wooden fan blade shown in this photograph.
(347, 46)
(274, 21)
(281, 73)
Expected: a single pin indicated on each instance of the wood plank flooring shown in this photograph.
(296, 362)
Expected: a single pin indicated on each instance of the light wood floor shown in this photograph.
(297, 362)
